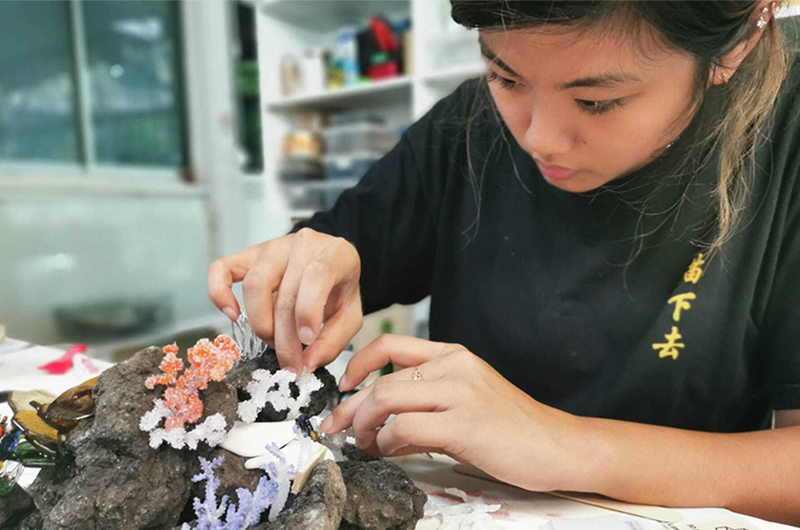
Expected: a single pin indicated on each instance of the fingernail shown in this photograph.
(230, 313)
(326, 424)
(343, 383)
(306, 335)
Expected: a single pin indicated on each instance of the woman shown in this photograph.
(607, 225)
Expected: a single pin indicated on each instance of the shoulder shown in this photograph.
(787, 107)
(779, 157)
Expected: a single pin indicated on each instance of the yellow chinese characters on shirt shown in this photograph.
(671, 347)
(693, 274)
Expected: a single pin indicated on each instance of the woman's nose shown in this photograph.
(547, 136)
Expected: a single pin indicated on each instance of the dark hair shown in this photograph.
(706, 31)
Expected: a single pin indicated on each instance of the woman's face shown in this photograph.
(594, 108)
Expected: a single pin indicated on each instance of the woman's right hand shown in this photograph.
(291, 286)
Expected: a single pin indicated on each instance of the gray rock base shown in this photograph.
(380, 496)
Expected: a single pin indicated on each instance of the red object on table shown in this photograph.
(64, 363)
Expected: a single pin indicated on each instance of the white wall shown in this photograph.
(60, 252)
(82, 237)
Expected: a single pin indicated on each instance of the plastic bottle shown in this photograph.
(346, 55)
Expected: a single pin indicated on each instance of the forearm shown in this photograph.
(756, 473)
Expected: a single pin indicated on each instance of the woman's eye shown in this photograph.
(505, 83)
(599, 107)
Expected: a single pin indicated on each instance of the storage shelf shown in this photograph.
(392, 90)
(286, 28)
(332, 184)
(328, 14)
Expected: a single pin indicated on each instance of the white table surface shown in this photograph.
(519, 509)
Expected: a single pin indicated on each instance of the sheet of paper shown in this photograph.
(9, 345)
(19, 370)
(651, 512)
(621, 522)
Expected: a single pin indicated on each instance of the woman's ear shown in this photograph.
(729, 63)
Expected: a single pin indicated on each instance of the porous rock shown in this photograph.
(320, 504)
(230, 472)
(242, 374)
(352, 452)
(32, 521)
(118, 481)
(380, 496)
(15, 507)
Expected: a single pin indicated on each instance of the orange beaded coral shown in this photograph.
(171, 365)
(207, 362)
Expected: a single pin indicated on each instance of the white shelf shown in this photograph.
(391, 90)
(327, 14)
(332, 184)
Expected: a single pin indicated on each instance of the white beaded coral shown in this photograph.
(266, 387)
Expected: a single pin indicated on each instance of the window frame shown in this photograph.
(17, 175)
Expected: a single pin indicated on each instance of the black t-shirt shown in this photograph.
(542, 284)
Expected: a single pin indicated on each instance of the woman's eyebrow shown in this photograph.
(492, 57)
(608, 80)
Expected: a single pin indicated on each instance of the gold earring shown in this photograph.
(725, 78)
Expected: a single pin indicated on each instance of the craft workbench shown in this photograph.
(517, 509)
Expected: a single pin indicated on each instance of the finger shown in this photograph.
(342, 416)
(400, 350)
(222, 274)
(261, 281)
(398, 397)
(287, 344)
(344, 412)
(414, 430)
(335, 336)
(332, 275)
(408, 450)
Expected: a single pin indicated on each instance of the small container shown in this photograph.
(294, 169)
(349, 167)
(313, 70)
(290, 75)
(302, 143)
(302, 198)
(382, 66)
(345, 55)
(353, 117)
(360, 137)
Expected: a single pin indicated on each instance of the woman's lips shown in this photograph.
(555, 172)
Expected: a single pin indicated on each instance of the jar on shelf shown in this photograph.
(290, 75)
(313, 70)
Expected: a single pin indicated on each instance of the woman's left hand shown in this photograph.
(460, 407)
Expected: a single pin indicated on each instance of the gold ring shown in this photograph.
(416, 376)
